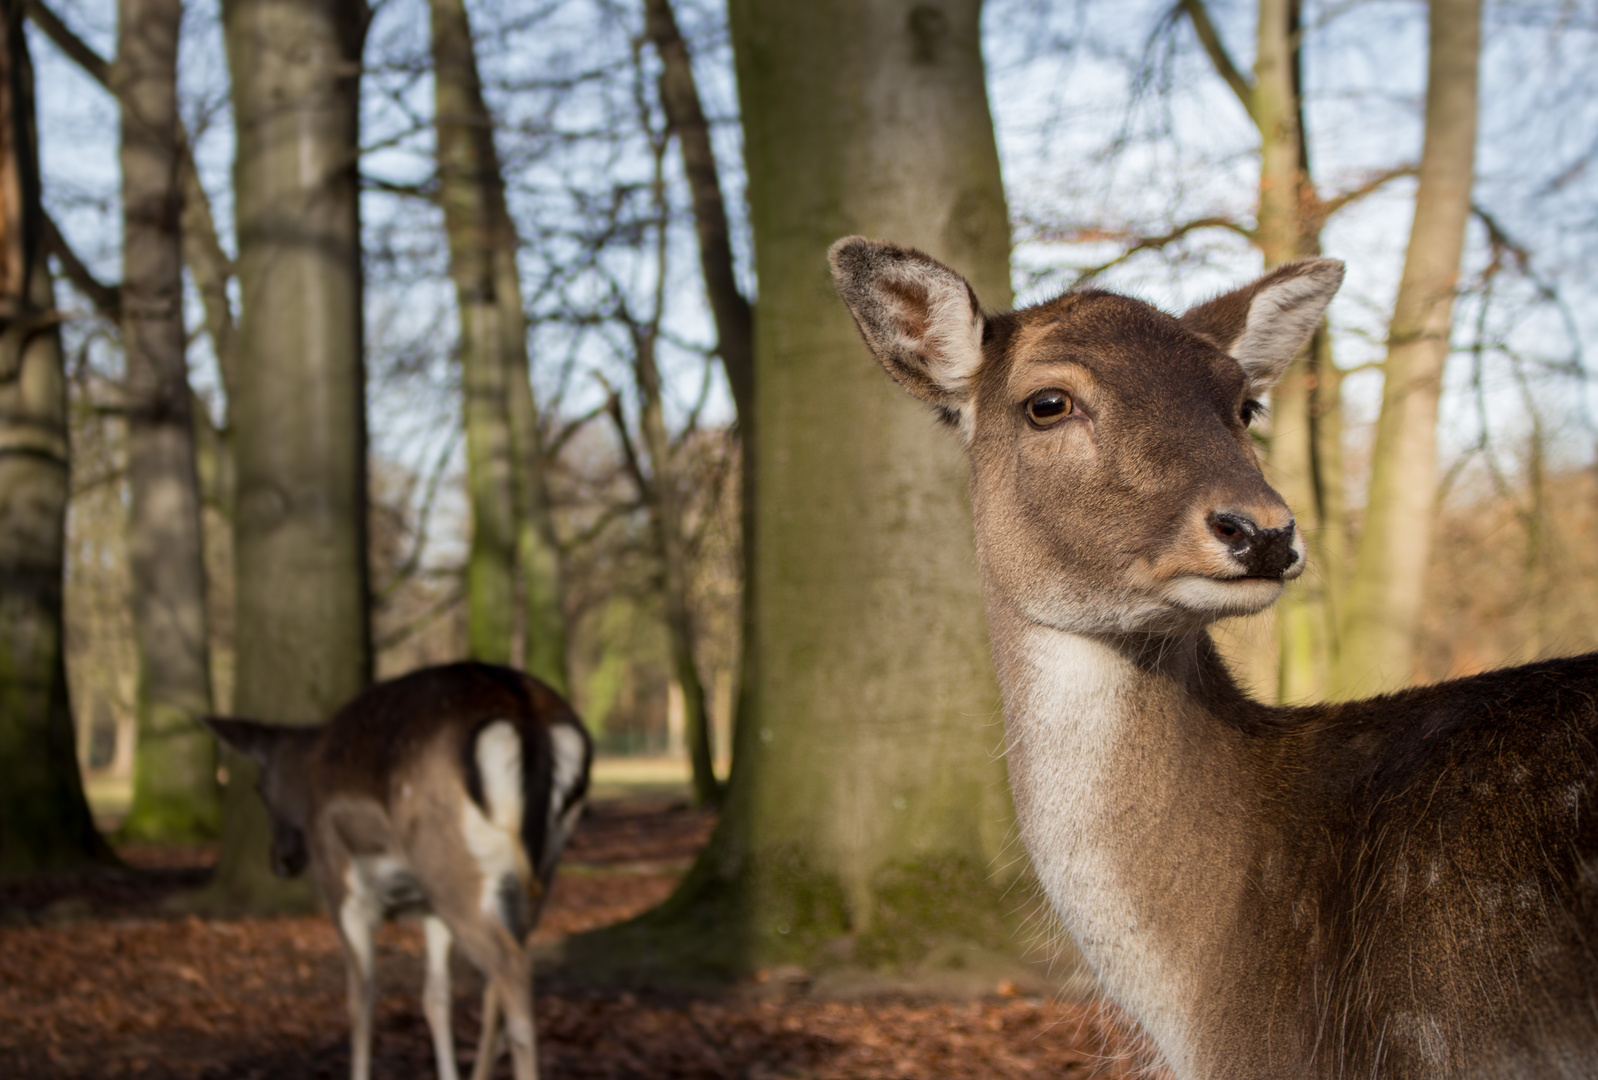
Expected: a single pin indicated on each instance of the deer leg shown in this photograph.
(488, 1045)
(514, 979)
(435, 996)
(357, 918)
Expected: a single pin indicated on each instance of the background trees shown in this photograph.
(44, 821)
(548, 205)
(175, 794)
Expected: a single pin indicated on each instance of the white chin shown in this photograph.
(1218, 598)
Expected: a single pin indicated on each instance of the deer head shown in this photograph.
(279, 752)
(1115, 485)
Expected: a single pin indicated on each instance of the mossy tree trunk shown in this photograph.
(1382, 622)
(467, 173)
(869, 804)
(44, 820)
(511, 521)
(298, 408)
(175, 793)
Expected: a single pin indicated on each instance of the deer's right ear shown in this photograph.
(254, 740)
(920, 319)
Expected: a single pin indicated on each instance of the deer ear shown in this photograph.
(254, 740)
(1263, 325)
(920, 319)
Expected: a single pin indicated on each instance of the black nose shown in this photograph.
(1263, 552)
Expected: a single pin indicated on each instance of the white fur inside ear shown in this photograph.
(955, 333)
(1281, 318)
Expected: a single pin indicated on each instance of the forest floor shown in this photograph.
(98, 979)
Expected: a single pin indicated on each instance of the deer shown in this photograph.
(1400, 887)
(449, 794)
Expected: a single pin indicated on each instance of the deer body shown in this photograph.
(449, 794)
(1400, 887)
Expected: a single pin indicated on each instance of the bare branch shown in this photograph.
(78, 51)
(1210, 38)
(1325, 208)
(203, 252)
(1134, 243)
(107, 299)
(685, 117)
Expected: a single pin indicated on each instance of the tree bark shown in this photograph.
(866, 779)
(45, 823)
(175, 793)
(298, 414)
(1382, 621)
(538, 555)
(734, 318)
(468, 174)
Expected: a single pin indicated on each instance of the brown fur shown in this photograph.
(1400, 887)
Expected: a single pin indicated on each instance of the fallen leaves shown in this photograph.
(129, 995)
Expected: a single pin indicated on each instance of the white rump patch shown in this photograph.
(494, 841)
(570, 756)
(499, 763)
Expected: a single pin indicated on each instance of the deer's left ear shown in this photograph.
(920, 319)
(1263, 325)
(253, 740)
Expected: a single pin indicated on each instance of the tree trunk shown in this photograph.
(468, 173)
(298, 415)
(867, 778)
(537, 549)
(44, 820)
(734, 317)
(175, 793)
(1382, 622)
(511, 521)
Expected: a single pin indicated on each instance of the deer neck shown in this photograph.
(1130, 792)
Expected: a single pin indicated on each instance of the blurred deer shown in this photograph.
(1400, 887)
(447, 793)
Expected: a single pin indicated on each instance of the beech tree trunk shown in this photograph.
(298, 411)
(468, 173)
(868, 779)
(1382, 621)
(175, 793)
(512, 526)
(45, 823)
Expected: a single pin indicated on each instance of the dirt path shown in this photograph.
(95, 982)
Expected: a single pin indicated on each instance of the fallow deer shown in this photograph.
(447, 793)
(1400, 887)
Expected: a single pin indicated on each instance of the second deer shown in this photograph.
(447, 793)
(1400, 887)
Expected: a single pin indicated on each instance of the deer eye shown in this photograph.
(1251, 410)
(1048, 407)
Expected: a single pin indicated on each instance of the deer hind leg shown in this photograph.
(488, 1043)
(358, 916)
(508, 969)
(435, 996)
(513, 981)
